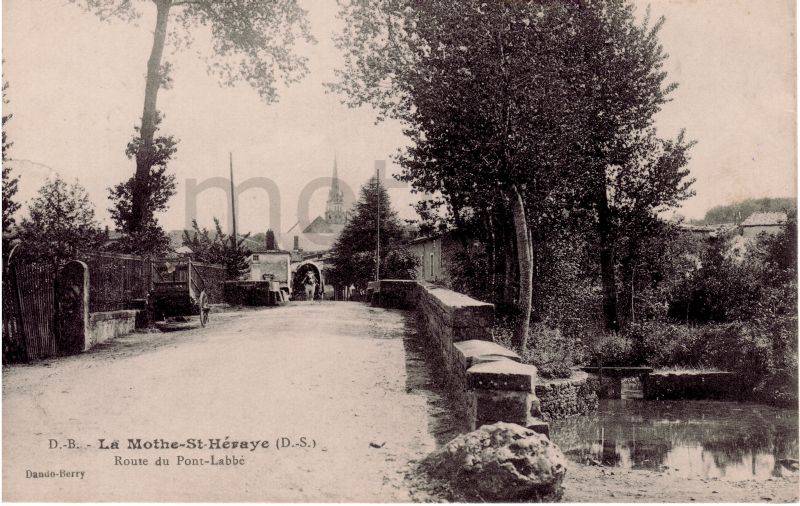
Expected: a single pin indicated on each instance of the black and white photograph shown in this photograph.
(399, 251)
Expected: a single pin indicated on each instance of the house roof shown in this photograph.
(252, 244)
(432, 237)
(264, 251)
(711, 230)
(321, 226)
(764, 219)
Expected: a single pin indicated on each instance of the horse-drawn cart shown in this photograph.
(180, 293)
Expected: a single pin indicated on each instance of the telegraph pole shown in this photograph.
(233, 206)
(378, 223)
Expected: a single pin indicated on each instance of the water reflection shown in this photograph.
(708, 439)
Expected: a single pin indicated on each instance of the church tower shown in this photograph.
(334, 209)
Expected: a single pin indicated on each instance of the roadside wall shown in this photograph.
(489, 380)
(108, 325)
(563, 398)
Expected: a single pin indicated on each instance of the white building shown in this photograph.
(757, 223)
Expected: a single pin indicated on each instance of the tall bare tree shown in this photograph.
(252, 42)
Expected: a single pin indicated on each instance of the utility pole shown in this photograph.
(378, 224)
(234, 240)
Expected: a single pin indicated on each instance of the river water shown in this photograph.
(705, 439)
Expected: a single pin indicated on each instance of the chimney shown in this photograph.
(269, 240)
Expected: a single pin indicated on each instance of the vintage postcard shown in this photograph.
(399, 251)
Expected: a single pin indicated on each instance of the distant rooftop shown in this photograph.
(264, 251)
(710, 230)
(764, 219)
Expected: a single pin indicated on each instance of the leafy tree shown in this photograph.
(720, 290)
(61, 224)
(149, 238)
(617, 84)
(548, 103)
(461, 77)
(353, 254)
(252, 41)
(780, 254)
(654, 180)
(218, 248)
(10, 182)
(200, 242)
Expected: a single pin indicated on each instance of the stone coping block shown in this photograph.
(476, 351)
(502, 374)
(456, 300)
(122, 314)
(618, 372)
(575, 377)
(510, 406)
(691, 372)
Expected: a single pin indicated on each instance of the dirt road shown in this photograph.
(337, 374)
(344, 384)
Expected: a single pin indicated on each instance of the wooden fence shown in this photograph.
(30, 324)
(115, 280)
(214, 277)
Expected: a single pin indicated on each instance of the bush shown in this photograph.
(763, 356)
(614, 349)
(762, 351)
(553, 354)
(659, 344)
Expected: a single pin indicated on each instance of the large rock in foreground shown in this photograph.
(500, 462)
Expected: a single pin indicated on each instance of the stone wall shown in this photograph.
(489, 380)
(79, 329)
(108, 325)
(609, 380)
(563, 398)
(394, 293)
(253, 293)
(672, 385)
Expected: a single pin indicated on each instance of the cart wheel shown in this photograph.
(204, 309)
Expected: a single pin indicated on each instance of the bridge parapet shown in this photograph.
(488, 379)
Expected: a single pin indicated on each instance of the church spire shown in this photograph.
(335, 178)
(334, 210)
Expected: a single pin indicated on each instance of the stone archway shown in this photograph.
(298, 276)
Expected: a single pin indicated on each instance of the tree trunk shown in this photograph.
(633, 300)
(491, 250)
(520, 338)
(509, 281)
(607, 274)
(537, 304)
(143, 158)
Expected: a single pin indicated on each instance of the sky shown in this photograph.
(77, 86)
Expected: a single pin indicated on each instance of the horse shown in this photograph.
(310, 285)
